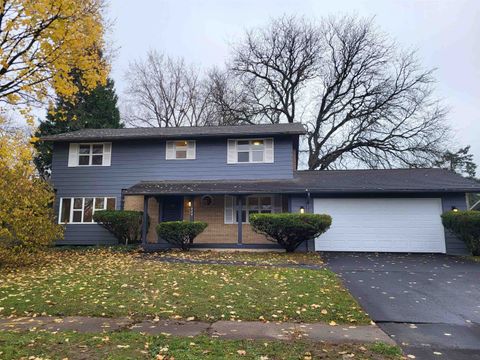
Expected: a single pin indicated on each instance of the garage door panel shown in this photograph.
(383, 225)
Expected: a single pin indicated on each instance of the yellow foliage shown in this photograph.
(26, 214)
(43, 41)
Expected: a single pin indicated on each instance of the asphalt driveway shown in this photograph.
(429, 304)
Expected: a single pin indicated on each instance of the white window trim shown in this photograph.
(90, 155)
(174, 151)
(70, 219)
(234, 210)
(250, 151)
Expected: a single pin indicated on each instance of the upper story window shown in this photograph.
(80, 210)
(90, 154)
(180, 150)
(250, 151)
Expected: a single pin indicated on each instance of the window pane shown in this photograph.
(266, 201)
(182, 154)
(180, 143)
(252, 201)
(257, 156)
(77, 203)
(243, 157)
(98, 149)
(111, 204)
(65, 215)
(243, 145)
(100, 203)
(97, 159)
(84, 149)
(257, 144)
(77, 216)
(84, 160)
(88, 210)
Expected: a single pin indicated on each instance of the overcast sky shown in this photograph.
(445, 32)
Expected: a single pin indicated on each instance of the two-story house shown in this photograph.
(222, 174)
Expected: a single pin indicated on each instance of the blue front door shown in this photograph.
(172, 208)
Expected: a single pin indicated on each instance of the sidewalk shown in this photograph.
(221, 329)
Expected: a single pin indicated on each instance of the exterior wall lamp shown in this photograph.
(189, 203)
(454, 209)
(302, 210)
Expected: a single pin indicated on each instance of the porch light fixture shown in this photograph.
(189, 203)
(454, 209)
(302, 210)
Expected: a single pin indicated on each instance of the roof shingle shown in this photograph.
(323, 182)
(178, 132)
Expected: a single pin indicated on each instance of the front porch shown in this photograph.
(220, 211)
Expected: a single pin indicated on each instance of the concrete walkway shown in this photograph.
(221, 329)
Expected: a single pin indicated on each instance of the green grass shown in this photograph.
(102, 282)
(263, 258)
(130, 345)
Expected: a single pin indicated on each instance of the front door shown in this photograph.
(172, 208)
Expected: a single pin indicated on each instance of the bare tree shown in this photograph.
(165, 92)
(365, 102)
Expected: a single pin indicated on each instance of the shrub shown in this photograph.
(466, 225)
(125, 225)
(290, 230)
(180, 233)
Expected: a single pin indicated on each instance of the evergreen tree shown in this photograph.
(460, 161)
(96, 109)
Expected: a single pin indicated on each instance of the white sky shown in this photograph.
(445, 32)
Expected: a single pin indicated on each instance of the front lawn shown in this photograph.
(130, 345)
(104, 282)
(261, 258)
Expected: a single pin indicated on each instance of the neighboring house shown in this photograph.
(222, 174)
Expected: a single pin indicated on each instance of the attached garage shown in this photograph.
(382, 225)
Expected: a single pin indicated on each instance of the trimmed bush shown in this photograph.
(125, 225)
(180, 233)
(290, 230)
(466, 225)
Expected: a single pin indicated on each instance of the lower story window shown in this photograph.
(263, 204)
(80, 210)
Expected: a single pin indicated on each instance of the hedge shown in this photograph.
(466, 225)
(290, 230)
(125, 225)
(180, 233)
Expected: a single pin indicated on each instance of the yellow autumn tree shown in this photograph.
(26, 215)
(43, 41)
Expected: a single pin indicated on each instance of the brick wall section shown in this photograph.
(217, 231)
(135, 202)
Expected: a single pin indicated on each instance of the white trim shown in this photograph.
(72, 199)
(232, 151)
(171, 150)
(74, 154)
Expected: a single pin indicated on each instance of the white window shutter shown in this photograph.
(73, 155)
(231, 152)
(269, 150)
(170, 150)
(107, 154)
(229, 209)
(191, 149)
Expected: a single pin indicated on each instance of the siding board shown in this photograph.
(144, 160)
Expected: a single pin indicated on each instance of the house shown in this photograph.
(221, 174)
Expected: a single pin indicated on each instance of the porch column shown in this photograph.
(239, 217)
(144, 219)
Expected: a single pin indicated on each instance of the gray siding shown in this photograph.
(454, 245)
(134, 161)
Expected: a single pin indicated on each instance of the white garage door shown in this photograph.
(382, 225)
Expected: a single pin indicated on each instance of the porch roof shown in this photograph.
(326, 182)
